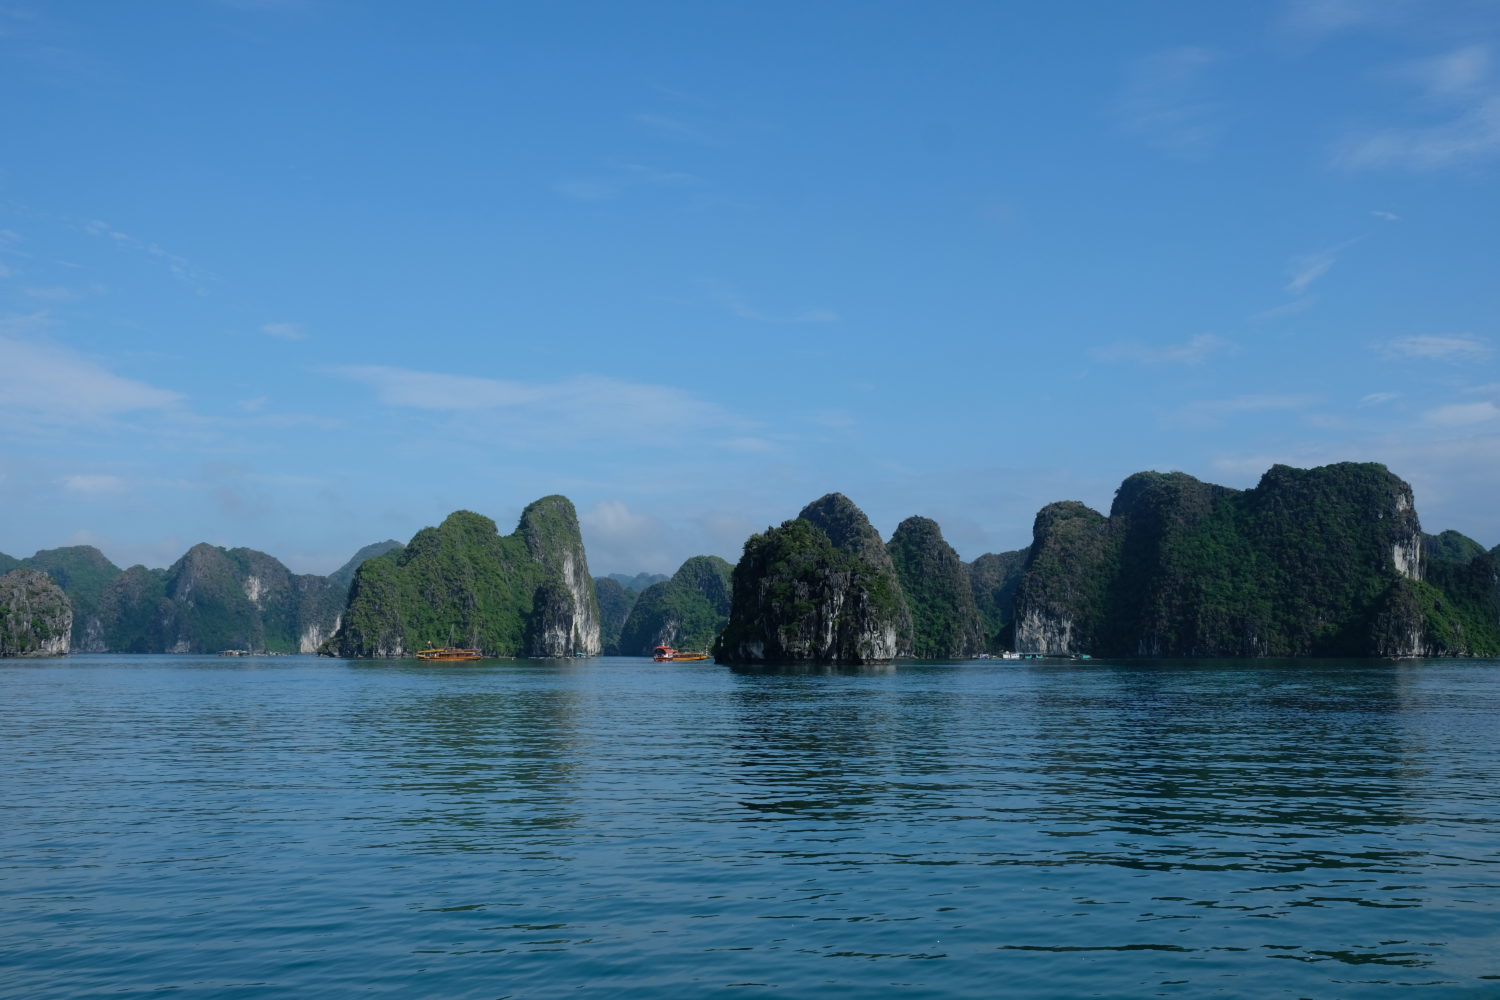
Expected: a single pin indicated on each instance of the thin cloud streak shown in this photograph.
(1455, 348)
(1194, 351)
(580, 409)
(49, 384)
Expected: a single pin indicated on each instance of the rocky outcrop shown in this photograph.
(615, 601)
(993, 579)
(463, 583)
(687, 612)
(945, 621)
(549, 527)
(1306, 563)
(820, 588)
(83, 572)
(36, 618)
(213, 599)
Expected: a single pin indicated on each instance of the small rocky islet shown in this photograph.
(1330, 561)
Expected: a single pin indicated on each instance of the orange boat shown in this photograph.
(663, 653)
(447, 654)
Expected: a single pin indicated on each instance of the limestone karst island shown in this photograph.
(1330, 561)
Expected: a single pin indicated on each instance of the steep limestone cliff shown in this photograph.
(1324, 561)
(688, 611)
(35, 616)
(993, 579)
(615, 601)
(945, 620)
(549, 528)
(462, 583)
(820, 588)
(83, 572)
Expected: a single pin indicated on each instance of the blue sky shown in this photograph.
(306, 274)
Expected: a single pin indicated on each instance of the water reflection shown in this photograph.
(470, 759)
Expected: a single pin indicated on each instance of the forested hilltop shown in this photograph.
(209, 600)
(1311, 562)
(1329, 561)
(462, 583)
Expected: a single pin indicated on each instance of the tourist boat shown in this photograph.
(447, 654)
(662, 653)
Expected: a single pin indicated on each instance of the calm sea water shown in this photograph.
(301, 827)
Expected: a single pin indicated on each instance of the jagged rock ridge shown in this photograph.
(463, 583)
(688, 611)
(820, 588)
(36, 618)
(945, 620)
(1324, 561)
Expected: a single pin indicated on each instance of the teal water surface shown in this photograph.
(287, 827)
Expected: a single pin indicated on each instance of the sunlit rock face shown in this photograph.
(36, 618)
(820, 588)
(1310, 562)
(462, 583)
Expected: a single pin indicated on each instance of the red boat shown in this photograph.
(663, 653)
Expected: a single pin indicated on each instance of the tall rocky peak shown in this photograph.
(1309, 562)
(688, 611)
(83, 572)
(344, 575)
(36, 618)
(820, 588)
(550, 529)
(945, 620)
(993, 578)
(463, 583)
(615, 601)
(1450, 547)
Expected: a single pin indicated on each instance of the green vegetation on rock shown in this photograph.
(36, 618)
(993, 579)
(615, 601)
(464, 584)
(945, 621)
(1311, 562)
(820, 588)
(83, 573)
(687, 612)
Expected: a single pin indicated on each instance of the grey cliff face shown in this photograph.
(820, 588)
(550, 529)
(36, 618)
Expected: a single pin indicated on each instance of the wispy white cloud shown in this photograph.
(178, 266)
(1461, 414)
(1458, 348)
(580, 409)
(52, 293)
(1195, 350)
(1308, 268)
(48, 383)
(1164, 101)
(1317, 18)
(1462, 109)
(1385, 216)
(618, 538)
(94, 484)
(673, 128)
(752, 445)
(1461, 73)
(1207, 414)
(284, 331)
(1378, 398)
(1471, 137)
(618, 179)
(744, 310)
(1291, 308)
